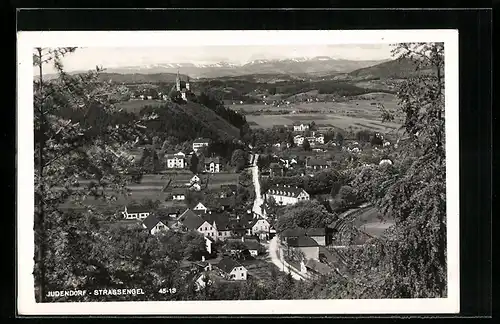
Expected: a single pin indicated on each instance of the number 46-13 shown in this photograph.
(167, 291)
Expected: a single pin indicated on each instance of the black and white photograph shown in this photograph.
(238, 172)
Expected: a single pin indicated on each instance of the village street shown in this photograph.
(273, 254)
(257, 204)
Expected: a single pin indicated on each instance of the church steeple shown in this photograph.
(187, 83)
(178, 81)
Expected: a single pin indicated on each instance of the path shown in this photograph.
(257, 204)
(273, 253)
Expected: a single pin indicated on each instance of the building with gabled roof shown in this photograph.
(135, 212)
(154, 225)
(175, 160)
(213, 164)
(232, 269)
(286, 195)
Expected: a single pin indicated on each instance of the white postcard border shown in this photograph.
(25, 174)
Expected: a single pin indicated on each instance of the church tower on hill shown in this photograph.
(182, 86)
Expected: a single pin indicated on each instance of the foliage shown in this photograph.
(304, 214)
(410, 262)
(194, 164)
(306, 145)
(67, 149)
(239, 159)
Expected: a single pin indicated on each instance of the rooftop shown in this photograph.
(228, 264)
(285, 190)
(301, 241)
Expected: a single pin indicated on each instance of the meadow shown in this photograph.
(355, 114)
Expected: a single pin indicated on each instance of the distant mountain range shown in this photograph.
(392, 69)
(300, 65)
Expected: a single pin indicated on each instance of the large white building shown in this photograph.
(287, 195)
(175, 161)
(135, 213)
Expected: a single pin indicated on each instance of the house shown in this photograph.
(202, 280)
(286, 195)
(220, 221)
(300, 127)
(176, 160)
(291, 233)
(194, 179)
(134, 212)
(213, 165)
(320, 139)
(316, 164)
(154, 225)
(260, 227)
(178, 194)
(191, 221)
(250, 246)
(232, 269)
(182, 87)
(317, 234)
(200, 207)
(306, 245)
(199, 143)
(298, 140)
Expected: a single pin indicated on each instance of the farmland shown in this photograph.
(151, 185)
(357, 114)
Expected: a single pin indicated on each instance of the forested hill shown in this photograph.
(187, 121)
(397, 69)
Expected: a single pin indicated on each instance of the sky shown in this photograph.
(112, 57)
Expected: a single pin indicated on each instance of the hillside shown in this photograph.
(395, 69)
(187, 121)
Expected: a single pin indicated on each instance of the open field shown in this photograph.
(136, 105)
(335, 121)
(152, 184)
(359, 114)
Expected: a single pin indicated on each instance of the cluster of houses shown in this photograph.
(314, 139)
(310, 244)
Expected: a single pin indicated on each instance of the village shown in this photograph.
(240, 237)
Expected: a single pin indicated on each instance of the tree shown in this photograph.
(194, 245)
(194, 163)
(348, 195)
(312, 125)
(304, 214)
(340, 138)
(306, 145)
(69, 146)
(410, 261)
(239, 159)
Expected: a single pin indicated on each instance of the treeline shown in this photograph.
(234, 118)
(170, 121)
